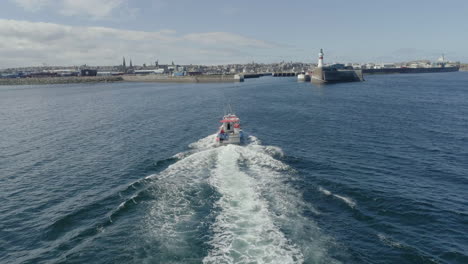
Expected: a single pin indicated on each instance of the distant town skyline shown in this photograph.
(101, 32)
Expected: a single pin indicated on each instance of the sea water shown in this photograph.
(370, 172)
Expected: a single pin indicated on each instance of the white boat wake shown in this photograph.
(257, 216)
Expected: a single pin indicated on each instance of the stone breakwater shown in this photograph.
(184, 79)
(126, 78)
(60, 80)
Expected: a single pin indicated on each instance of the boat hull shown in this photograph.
(231, 140)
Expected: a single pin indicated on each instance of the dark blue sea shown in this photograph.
(371, 172)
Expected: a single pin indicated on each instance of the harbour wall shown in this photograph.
(59, 80)
(336, 76)
(283, 74)
(410, 70)
(251, 75)
(183, 79)
(128, 78)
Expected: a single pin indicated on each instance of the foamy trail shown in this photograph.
(273, 180)
(350, 202)
(389, 242)
(244, 230)
(178, 190)
(255, 215)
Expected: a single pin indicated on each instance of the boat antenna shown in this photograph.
(230, 108)
(224, 104)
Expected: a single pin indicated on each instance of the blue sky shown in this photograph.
(100, 32)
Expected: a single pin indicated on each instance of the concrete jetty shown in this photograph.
(251, 75)
(330, 75)
(59, 80)
(324, 74)
(184, 79)
(120, 78)
(283, 74)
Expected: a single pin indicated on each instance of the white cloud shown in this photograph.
(93, 8)
(96, 9)
(226, 39)
(24, 43)
(32, 5)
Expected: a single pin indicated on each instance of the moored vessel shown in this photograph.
(303, 77)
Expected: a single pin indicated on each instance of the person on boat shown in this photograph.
(221, 135)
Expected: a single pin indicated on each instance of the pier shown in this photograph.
(59, 80)
(283, 74)
(251, 75)
(184, 79)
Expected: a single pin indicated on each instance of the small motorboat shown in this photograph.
(230, 131)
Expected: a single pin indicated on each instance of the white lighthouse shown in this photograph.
(320, 61)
